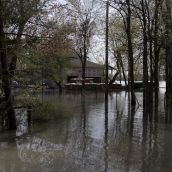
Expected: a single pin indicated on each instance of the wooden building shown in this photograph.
(93, 71)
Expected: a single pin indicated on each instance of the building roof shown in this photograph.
(76, 63)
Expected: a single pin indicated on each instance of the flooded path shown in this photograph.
(89, 137)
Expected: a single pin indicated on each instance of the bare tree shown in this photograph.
(124, 9)
(83, 13)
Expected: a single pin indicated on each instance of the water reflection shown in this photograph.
(98, 134)
(168, 114)
(106, 133)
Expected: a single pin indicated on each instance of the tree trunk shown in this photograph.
(151, 85)
(83, 74)
(122, 67)
(21, 26)
(123, 72)
(107, 48)
(145, 54)
(168, 25)
(156, 52)
(130, 54)
(150, 38)
(6, 81)
(113, 79)
(84, 60)
(12, 66)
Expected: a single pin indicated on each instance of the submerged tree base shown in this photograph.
(8, 118)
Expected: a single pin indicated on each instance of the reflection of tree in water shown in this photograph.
(134, 143)
(106, 134)
(154, 139)
(130, 127)
(127, 145)
(129, 141)
(39, 151)
(168, 112)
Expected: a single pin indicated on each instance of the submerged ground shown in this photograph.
(87, 138)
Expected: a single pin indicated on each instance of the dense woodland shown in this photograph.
(41, 35)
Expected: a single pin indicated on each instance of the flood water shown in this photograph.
(91, 137)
